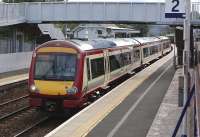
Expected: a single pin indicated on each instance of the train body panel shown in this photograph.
(53, 87)
(67, 72)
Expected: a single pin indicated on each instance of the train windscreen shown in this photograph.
(54, 66)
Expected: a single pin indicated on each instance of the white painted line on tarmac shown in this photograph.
(124, 118)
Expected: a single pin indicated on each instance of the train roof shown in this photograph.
(147, 39)
(124, 41)
(104, 43)
(93, 44)
(163, 37)
(110, 42)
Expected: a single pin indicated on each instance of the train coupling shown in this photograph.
(50, 106)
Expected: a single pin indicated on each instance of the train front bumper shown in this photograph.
(55, 104)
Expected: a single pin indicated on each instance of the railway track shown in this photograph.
(45, 119)
(11, 86)
(13, 91)
(14, 113)
(13, 106)
(13, 100)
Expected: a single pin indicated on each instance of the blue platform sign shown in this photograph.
(174, 8)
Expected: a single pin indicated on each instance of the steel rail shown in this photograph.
(14, 100)
(15, 112)
(31, 127)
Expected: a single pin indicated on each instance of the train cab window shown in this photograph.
(115, 62)
(97, 67)
(136, 55)
(55, 67)
(145, 52)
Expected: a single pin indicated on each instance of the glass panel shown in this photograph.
(145, 52)
(136, 55)
(55, 67)
(115, 62)
(97, 67)
(126, 58)
(88, 69)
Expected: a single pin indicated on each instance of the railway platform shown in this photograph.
(144, 105)
(13, 77)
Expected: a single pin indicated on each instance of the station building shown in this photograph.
(93, 31)
(18, 41)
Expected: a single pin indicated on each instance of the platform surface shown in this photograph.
(13, 77)
(169, 111)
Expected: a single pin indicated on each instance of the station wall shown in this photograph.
(14, 61)
(16, 46)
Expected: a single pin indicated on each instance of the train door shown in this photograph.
(122, 64)
(106, 67)
(141, 54)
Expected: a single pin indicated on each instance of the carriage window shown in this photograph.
(153, 50)
(88, 69)
(97, 67)
(99, 32)
(136, 55)
(115, 62)
(126, 58)
(146, 52)
(166, 45)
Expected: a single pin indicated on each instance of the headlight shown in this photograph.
(72, 90)
(33, 88)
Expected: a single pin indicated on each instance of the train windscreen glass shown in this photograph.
(55, 67)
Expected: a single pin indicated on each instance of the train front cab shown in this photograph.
(53, 75)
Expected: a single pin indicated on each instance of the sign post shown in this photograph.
(182, 9)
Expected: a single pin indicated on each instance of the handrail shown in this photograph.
(191, 93)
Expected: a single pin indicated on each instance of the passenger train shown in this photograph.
(64, 74)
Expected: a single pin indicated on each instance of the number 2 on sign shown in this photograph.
(175, 6)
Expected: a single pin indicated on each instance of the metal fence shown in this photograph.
(14, 13)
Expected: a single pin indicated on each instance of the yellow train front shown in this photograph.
(55, 76)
